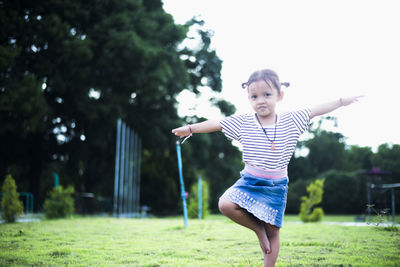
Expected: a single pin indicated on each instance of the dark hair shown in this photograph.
(266, 75)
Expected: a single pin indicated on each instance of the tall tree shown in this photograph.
(69, 69)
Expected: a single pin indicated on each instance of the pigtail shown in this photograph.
(286, 84)
(244, 85)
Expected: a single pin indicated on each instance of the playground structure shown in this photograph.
(127, 172)
(28, 200)
(380, 189)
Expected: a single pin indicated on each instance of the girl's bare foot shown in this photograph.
(263, 238)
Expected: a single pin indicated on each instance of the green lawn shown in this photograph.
(93, 241)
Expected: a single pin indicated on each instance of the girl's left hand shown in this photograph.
(182, 131)
(350, 100)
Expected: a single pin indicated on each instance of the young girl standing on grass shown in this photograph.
(258, 199)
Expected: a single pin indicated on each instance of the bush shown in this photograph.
(307, 212)
(193, 205)
(11, 206)
(60, 204)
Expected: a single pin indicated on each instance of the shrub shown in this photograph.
(193, 205)
(11, 206)
(307, 212)
(60, 204)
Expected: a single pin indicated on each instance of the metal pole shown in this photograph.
(55, 179)
(116, 172)
(393, 207)
(369, 200)
(32, 203)
(200, 196)
(138, 167)
(122, 168)
(135, 170)
(131, 170)
(126, 175)
(183, 196)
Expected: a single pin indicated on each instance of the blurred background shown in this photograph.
(70, 69)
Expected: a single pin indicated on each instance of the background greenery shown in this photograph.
(69, 69)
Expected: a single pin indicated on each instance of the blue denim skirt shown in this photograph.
(262, 193)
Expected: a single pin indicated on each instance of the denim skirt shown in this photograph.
(262, 193)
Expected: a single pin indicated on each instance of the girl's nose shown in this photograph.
(260, 100)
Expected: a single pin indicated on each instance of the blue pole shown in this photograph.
(121, 170)
(116, 171)
(178, 151)
(200, 196)
(55, 179)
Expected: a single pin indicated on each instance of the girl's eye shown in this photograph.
(253, 96)
(268, 94)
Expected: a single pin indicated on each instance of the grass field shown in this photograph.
(96, 241)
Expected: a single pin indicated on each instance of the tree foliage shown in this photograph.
(69, 69)
(60, 202)
(309, 213)
(11, 206)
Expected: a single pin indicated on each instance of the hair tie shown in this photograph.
(286, 84)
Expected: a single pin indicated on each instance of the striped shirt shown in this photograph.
(255, 145)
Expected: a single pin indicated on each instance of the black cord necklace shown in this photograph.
(273, 147)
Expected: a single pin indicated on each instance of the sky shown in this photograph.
(325, 49)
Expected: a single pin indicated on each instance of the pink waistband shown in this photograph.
(274, 174)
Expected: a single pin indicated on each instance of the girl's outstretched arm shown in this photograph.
(201, 127)
(331, 106)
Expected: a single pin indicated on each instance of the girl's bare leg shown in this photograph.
(273, 236)
(242, 217)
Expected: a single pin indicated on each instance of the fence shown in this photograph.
(127, 172)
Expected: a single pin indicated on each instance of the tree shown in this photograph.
(358, 158)
(60, 203)
(81, 65)
(307, 211)
(387, 158)
(326, 151)
(11, 206)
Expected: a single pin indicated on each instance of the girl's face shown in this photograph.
(263, 98)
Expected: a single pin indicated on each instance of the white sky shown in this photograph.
(325, 49)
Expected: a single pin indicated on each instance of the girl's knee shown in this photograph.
(225, 206)
(272, 230)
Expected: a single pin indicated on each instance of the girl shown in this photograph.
(258, 199)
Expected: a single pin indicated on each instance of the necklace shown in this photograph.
(273, 147)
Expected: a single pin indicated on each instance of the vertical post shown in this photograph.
(122, 168)
(32, 203)
(55, 179)
(393, 207)
(116, 172)
(178, 151)
(135, 169)
(126, 171)
(131, 170)
(139, 158)
(369, 199)
(200, 196)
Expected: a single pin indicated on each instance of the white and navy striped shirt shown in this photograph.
(257, 148)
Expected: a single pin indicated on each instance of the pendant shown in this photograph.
(273, 146)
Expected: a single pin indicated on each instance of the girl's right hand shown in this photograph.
(182, 131)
